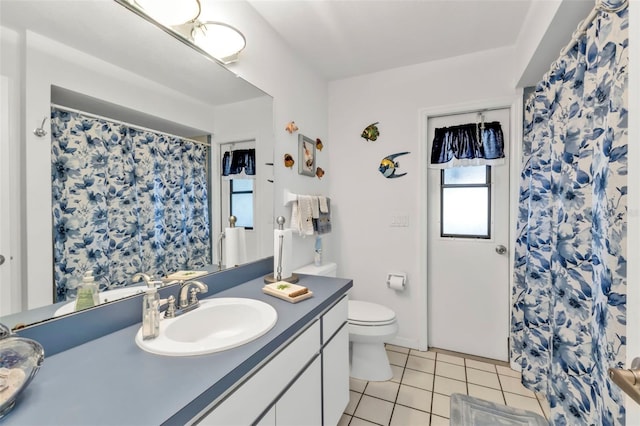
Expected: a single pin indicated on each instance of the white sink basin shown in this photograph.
(218, 324)
(105, 296)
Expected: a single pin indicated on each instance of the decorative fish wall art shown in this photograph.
(319, 144)
(388, 166)
(288, 160)
(319, 172)
(291, 127)
(371, 132)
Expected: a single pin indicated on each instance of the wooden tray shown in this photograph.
(186, 275)
(281, 295)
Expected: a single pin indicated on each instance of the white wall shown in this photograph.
(242, 121)
(299, 94)
(368, 247)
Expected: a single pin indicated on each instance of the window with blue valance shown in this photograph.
(239, 162)
(472, 144)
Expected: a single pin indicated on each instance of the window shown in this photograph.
(465, 202)
(241, 201)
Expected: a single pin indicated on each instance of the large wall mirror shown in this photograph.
(66, 63)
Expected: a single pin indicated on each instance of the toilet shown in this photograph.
(370, 326)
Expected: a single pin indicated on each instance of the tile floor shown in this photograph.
(418, 393)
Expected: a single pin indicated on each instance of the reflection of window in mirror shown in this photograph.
(466, 202)
(241, 201)
(238, 183)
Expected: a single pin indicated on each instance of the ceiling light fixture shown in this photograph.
(170, 12)
(220, 40)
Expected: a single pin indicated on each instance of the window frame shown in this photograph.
(488, 185)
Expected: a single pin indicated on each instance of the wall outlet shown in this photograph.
(399, 221)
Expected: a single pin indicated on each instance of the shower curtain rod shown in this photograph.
(587, 21)
(473, 111)
(135, 126)
(582, 28)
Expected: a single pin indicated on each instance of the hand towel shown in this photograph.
(324, 206)
(315, 208)
(306, 218)
(295, 218)
(322, 225)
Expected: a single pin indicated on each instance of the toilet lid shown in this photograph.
(367, 312)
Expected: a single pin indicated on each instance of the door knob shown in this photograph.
(1, 259)
(501, 249)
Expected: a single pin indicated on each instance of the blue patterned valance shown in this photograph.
(239, 162)
(472, 144)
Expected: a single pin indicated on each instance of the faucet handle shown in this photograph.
(171, 307)
(193, 299)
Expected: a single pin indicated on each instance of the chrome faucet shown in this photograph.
(188, 299)
(148, 279)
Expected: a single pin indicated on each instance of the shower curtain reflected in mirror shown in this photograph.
(569, 298)
(124, 200)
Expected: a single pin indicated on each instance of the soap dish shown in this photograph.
(286, 291)
(20, 360)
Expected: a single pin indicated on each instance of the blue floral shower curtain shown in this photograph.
(569, 299)
(124, 201)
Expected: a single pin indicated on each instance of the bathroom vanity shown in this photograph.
(296, 373)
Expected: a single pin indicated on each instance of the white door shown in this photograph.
(6, 287)
(468, 278)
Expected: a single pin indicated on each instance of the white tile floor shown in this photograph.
(418, 393)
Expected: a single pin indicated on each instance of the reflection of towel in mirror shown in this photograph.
(322, 225)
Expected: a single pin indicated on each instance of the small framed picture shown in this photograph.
(306, 156)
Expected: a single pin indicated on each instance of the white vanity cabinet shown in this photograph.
(305, 383)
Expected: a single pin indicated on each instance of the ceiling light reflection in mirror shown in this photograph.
(218, 39)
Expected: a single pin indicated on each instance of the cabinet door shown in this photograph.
(301, 404)
(335, 371)
(254, 396)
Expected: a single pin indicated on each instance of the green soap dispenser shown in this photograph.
(87, 295)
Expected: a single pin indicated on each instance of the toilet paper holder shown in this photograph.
(397, 280)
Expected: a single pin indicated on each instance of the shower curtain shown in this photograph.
(124, 201)
(569, 298)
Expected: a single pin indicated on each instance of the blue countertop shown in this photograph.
(110, 381)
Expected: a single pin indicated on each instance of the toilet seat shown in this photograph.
(369, 314)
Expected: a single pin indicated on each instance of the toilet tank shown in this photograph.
(327, 269)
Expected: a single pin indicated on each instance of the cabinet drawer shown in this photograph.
(334, 318)
(247, 402)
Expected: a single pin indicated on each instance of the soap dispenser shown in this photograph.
(87, 295)
(151, 313)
